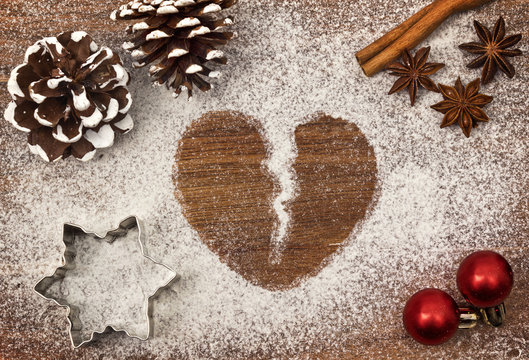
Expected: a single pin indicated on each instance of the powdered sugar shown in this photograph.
(12, 83)
(62, 137)
(112, 110)
(102, 138)
(438, 191)
(78, 35)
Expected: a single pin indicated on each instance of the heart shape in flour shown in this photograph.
(227, 194)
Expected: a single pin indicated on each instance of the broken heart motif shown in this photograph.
(227, 194)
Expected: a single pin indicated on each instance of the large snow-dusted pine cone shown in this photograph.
(178, 37)
(70, 96)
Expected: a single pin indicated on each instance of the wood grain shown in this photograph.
(227, 194)
(35, 330)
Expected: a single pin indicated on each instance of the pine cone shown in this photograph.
(69, 96)
(179, 36)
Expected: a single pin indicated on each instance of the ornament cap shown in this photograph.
(468, 318)
(493, 316)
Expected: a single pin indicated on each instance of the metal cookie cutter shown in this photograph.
(72, 234)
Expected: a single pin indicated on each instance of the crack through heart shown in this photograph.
(227, 194)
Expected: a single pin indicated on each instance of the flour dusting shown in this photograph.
(441, 195)
(280, 161)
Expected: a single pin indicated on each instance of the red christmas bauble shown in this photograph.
(485, 279)
(431, 316)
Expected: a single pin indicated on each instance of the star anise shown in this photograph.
(462, 104)
(413, 72)
(493, 50)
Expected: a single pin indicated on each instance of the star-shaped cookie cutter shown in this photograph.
(69, 234)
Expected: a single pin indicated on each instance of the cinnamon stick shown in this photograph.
(374, 48)
(410, 33)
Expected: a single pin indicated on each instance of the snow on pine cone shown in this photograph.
(70, 96)
(178, 37)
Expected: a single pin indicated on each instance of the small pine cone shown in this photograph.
(179, 37)
(70, 96)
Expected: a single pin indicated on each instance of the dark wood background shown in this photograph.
(226, 194)
(22, 22)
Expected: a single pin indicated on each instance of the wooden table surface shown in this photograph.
(22, 22)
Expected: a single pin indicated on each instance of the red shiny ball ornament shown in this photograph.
(485, 279)
(431, 316)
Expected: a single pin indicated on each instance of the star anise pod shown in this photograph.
(414, 72)
(462, 104)
(493, 50)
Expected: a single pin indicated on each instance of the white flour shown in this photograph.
(439, 191)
